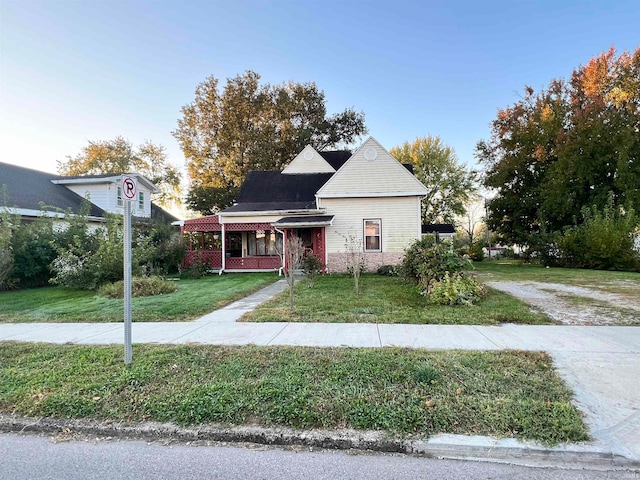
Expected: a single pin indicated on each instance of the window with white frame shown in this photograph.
(140, 200)
(119, 200)
(373, 235)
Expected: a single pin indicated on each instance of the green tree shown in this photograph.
(521, 149)
(120, 156)
(436, 165)
(568, 147)
(253, 126)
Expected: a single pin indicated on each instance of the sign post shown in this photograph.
(129, 192)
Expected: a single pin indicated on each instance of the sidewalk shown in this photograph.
(601, 364)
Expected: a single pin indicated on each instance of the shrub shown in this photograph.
(457, 289)
(311, 267)
(389, 270)
(424, 261)
(7, 224)
(87, 259)
(476, 252)
(140, 287)
(33, 252)
(198, 268)
(438, 272)
(604, 241)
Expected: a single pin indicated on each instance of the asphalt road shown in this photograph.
(39, 457)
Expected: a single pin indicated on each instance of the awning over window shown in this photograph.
(304, 222)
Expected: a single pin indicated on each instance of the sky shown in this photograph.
(78, 71)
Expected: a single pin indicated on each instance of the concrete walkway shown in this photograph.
(601, 364)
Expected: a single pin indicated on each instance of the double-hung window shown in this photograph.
(373, 235)
(119, 200)
(140, 200)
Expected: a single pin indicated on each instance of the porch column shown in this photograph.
(224, 248)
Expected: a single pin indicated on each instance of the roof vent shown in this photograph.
(370, 154)
(308, 155)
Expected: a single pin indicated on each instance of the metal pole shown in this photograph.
(127, 283)
(486, 219)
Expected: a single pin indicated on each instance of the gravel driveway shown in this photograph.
(572, 305)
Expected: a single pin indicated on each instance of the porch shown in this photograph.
(250, 247)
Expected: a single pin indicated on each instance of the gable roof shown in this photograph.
(384, 175)
(103, 178)
(308, 161)
(26, 189)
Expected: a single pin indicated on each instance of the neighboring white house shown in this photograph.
(324, 198)
(105, 191)
(32, 193)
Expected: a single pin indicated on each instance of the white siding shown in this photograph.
(400, 220)
(98, 193)
(308, 161)
(362, 176)
(104, 195)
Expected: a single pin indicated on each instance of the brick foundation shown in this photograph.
(338, 261)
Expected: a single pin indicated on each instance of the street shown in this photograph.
(31, 456)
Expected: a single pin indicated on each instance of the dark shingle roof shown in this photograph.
(336, 158)
(316, 220)
(261, 187)
(159, 214)
(438, 227)
(26, 188)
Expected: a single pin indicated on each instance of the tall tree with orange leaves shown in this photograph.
(571, 146)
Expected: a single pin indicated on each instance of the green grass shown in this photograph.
(386, 300)
(614, 282)
(404, 392)
(194, 297)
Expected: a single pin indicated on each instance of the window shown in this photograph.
(263, 242)
(212, 241)
(119, 197)
(372, 235)
(141, 200)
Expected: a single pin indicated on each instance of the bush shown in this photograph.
(604, 241)
(140, 287)
(438, 272)
(87, 259)
(196, 269)
(389, 270)
(476, 252)
(33, 252)
(457, 289)
(311, 267)
(424, 261)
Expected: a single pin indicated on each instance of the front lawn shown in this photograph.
(401, 391)
(194, 297)
(386, 300)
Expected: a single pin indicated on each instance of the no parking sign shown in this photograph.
(129, 187)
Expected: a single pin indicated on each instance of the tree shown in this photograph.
(293, 255)
(569, 147)
(120, 156)
(436, 165)
(253, 126)
(472, 221)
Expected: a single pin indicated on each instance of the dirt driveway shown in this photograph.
(573, 305)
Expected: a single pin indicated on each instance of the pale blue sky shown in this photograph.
(74, 71)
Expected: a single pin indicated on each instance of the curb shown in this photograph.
(446, 446)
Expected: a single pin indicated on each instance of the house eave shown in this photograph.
(110, 179)
(27, 212)
(371, 194)
(258, 213)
